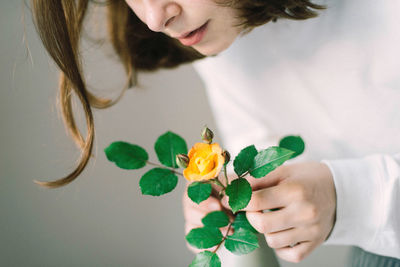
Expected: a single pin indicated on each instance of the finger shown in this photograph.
(193, 249)
(272, 221)
(268, 198)
(210, 204)
(296, 253)
(194, 215)
(197, 250)
(294, 215)
(289, 237)
(271, 179)
(189, 226)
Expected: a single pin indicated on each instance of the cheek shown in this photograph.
(136, 8)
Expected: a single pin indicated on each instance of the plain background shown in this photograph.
(101, 219)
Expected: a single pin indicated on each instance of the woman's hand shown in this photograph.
(194, 213)
(305, 195)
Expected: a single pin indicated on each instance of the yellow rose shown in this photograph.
(205, 163)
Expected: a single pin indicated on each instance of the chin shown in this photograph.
(212, 49)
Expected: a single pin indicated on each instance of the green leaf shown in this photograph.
(241, 242)
(244, 160)
(242, 222)
(239, 192)
(206, 259)
(168, 146)
(158, 181)
(268, 159)
(205, 237)
(126, 156)
(216, 219)
(294, 143)
(199, 191)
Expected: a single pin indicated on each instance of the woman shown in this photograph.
(331, 79)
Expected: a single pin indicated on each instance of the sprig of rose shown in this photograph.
(202, 166)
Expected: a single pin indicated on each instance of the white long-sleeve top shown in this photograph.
(334, 80)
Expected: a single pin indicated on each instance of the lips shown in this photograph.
(194, 37)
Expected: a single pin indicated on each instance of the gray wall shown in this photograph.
(101, 219)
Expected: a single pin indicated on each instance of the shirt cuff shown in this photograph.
(359, 201)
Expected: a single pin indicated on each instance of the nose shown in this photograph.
(159, 14)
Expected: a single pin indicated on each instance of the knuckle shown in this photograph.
(300, 192)
(266, 226)
(255, 202)
(297, 191)
(282, 170)
(312, 213)
(271, 226)
(185, 202)
(210, 204)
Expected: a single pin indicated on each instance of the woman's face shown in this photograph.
(201, 24)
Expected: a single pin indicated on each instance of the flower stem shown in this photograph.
(217, 182)
(226, 175)
(161, 166)
(244, 174)
(223, 239)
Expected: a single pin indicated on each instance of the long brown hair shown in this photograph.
(59, 24)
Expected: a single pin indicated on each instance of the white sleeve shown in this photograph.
(368, 203)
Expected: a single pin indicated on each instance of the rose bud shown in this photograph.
(227, 156)
(182, 160)
(207, 135)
